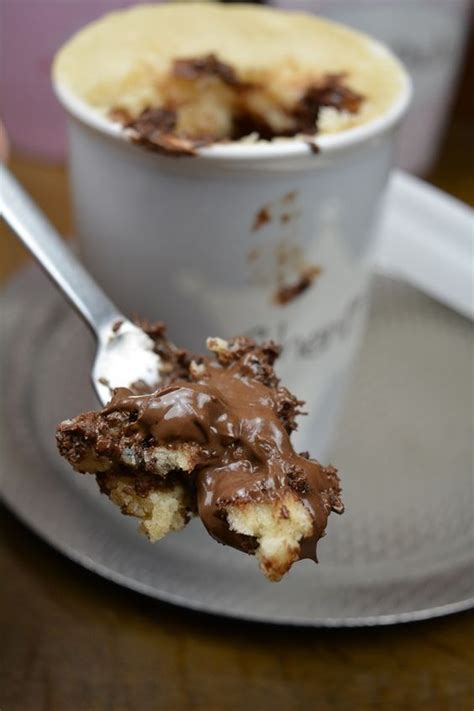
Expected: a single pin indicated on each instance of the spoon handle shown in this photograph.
(51, 252)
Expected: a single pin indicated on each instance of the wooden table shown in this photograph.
(71, 641)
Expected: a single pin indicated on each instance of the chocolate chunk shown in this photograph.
(262, 217)
(209, 65)
(245, 122)
(154, 129)
(297, 480)
(151, 120)
(331, 92)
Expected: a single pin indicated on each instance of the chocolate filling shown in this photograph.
(156, 128)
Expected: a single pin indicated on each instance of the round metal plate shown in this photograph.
(401, 552)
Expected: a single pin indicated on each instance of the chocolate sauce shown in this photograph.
(155, 129)
(330, 92)
(245, 449)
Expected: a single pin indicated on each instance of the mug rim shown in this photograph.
(261, 150)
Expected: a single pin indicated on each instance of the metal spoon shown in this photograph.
(124, 353)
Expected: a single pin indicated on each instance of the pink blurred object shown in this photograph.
(32, 31)
(3, 144)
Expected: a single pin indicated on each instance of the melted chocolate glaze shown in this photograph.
(233, 411)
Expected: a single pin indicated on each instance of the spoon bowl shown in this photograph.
(125, 353)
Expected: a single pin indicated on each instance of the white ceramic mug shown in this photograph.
(198, 242)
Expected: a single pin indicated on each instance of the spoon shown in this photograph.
(124, 352)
